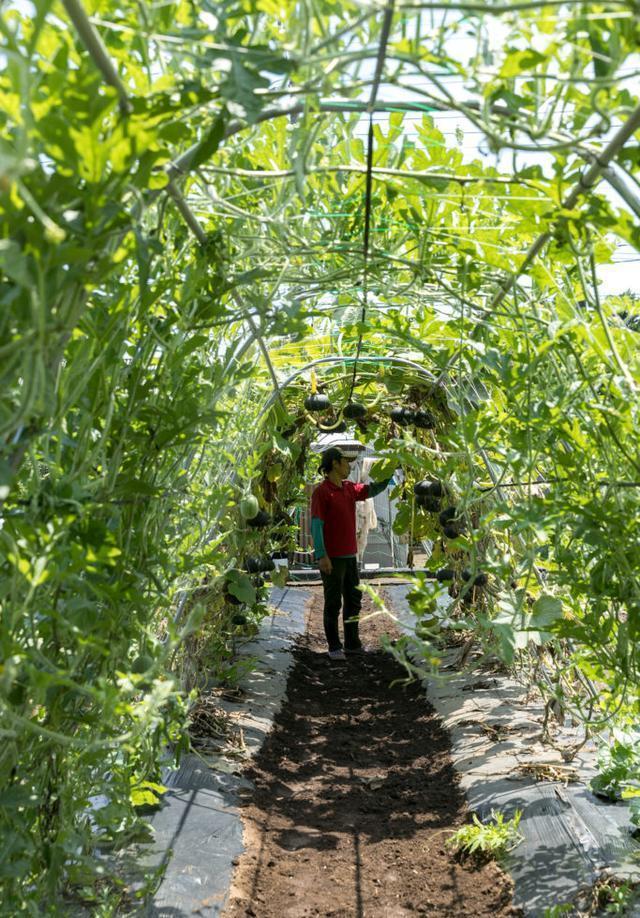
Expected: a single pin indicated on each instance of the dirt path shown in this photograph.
(355, 796)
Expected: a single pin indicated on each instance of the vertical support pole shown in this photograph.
(392, 535)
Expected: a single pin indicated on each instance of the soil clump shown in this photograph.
(354, 798)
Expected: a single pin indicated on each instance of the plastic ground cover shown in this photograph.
(570, 837)
(198, 830)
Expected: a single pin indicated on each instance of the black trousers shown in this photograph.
(341, 590)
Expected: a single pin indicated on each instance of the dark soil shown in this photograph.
(355, 796)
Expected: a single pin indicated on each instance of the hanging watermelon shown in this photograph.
(317, 402)
(354, 410)
(249, 507)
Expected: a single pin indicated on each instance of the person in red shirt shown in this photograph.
(333, 527)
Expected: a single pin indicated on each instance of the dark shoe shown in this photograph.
(359, 651)
(336, 655)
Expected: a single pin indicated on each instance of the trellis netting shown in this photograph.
(196, 201)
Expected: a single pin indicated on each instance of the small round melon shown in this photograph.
(354, 410)
(142, 663)
(317, 402)
(249, 507)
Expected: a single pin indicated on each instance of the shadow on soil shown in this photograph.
(354, 797)
(370, 747)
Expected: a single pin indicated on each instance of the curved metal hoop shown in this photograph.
(401, 361)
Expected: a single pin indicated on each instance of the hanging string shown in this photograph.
(365, 252)
(382, 50)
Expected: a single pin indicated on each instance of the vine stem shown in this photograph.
(266, 175)
(605, 325)
(584, 184)
(96, 48)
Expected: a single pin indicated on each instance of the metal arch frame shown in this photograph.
(619, 179)
(610, 171)
(402, 361)
(602, 165)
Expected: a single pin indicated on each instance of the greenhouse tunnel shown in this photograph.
(234, 235)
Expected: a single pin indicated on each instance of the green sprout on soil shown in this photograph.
(493, 838)
(611, 898)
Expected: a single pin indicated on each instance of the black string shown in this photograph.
(382, 51)
(365, 250)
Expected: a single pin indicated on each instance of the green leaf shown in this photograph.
(14, 264)
(19, 798)
(546, 610)
(279, 576)
(239, 89)
(403, 519)
(210, 142)
(142, 797)
(147, 793)
(239, 585)
(520, 61)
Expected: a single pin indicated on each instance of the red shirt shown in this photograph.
(336, 507)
